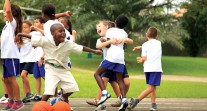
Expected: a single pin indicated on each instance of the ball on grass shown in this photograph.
(61, 106)
(42, 106)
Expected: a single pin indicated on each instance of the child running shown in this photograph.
(151, 57)
(114, 59)
(10, 54)
(56, 51)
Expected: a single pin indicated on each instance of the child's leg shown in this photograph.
(98, 78)
(8, 87)
(153, 96)
(121, 84)
(146, 92)
(25, 81)
(65, 96)
(115, 88)
(126, 83)
(38, 85)
(15, 87)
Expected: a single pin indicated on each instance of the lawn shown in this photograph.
(168, 89)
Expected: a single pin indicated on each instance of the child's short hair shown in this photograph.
(152, 32)
(27, 22)
(48, 9)
(107, 23)
(121, 21)
(40, 19)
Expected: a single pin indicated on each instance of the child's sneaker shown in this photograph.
(133, 102)
(7, 106)
(93, 102)
(37, 98)
(4, 100)
(104, 97)
(17, 106)
(56, 99)
(101, 107)
(123, 106)
(28, 98)
(153, 107)
(116, 104)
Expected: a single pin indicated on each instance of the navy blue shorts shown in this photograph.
(109, 74)
(38, 71)
(153, 78)
(116, 67)
(28, 66)
(10, 67)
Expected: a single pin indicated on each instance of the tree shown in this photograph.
(194, 21)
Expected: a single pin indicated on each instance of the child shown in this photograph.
(39, 67)
(151, 56)
(10, 54)
(56, 51)
(27, 60)
(68, 25)
(114, 59)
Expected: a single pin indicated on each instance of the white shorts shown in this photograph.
(59, 77)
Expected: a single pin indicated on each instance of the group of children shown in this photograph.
(43, 49)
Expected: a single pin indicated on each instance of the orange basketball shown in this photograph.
(61, 106)
(42, 106)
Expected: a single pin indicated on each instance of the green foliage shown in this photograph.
(194, 21)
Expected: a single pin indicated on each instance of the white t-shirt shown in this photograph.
(103, 49)
(38, 50)
(27, 52)
(152, 49)
(115, 53)
(57, 54)
(8, 48)
(47, 26)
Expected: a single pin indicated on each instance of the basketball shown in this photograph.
(42, 106)
(61, 106)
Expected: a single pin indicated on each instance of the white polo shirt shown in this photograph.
(152, 49)
(8, 48)
(57, 54)
(115, 53)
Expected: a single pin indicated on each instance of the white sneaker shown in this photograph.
(101, 107)
(104, 97)
(4, 100)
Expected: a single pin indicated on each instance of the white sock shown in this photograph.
(123, 99)
(104, 92)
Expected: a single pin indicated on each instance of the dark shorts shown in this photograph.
(116, 67)
(38, 71)
(153, 78)
(112, 75)
(28, 66)
(10, 67)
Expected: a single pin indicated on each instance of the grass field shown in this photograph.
(169, 89)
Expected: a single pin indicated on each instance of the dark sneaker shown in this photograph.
(116, 104)
(153, 107)
(8, 106)
(133, 102)
(93, 102)
(37, 98)
(101, 107)
(28, 98)
(123, 106)
(16, 106)
(104, 97)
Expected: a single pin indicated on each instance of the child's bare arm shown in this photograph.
(87, 49)
(137, 48)
(17, 38)
(7, 10)
(126, 40)
(37, 29)
(67, 14)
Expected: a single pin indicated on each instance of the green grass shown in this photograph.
(168, 89)
(187, 66)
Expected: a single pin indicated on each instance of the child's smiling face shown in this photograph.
(59, 34)
(101, 29)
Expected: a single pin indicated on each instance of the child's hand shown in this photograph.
(137, 48)
(40, 62)
(139, 60)
(17, 39)
(68, 13)
(98, 52)
(33, 28)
